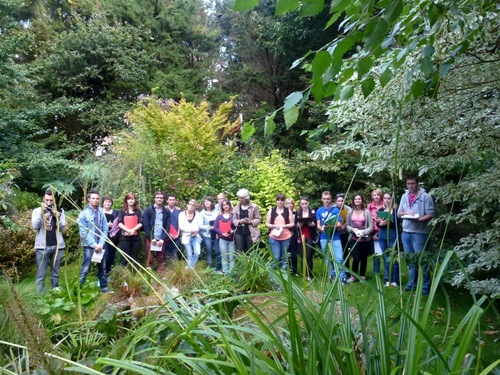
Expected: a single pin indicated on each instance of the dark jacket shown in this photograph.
(148, 221)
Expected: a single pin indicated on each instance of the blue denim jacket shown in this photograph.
(88, 229)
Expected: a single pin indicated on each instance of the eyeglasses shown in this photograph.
(340, 195)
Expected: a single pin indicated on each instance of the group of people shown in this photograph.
(341, 231)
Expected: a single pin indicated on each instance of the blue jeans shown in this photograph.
(279, 249)
(209, 247)
(101, 270)
(193, 250)
(45, 257)
(218, 264)
(415, 243)
(227, 255)
(384, 245)
(338, 254)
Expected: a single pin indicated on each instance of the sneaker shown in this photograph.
(105, 290)
(351, 280)
(363, 279)
(343, 281)
(308, 278)
(394, 284)
(387, 283)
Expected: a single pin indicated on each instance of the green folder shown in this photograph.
(384, 215)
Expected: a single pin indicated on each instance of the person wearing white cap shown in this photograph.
(246, 218)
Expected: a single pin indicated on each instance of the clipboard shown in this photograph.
(156, 247)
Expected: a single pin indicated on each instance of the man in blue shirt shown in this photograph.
(416, 209)
(93, 228)
(330, 235)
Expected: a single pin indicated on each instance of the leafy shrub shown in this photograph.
(17, 252)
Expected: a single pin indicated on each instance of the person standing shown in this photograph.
(246, 219)
(343, 233)
(188, 225)
(359, 224)
(218, 264)
(375, 205)
(49, 221)
(206, 223)
(173, 241)
(93, 228)
(224, 228)
(330, 235)
(416, 209)
(109, 246)
(280, 221)
(387, 238)
(130, 222)
(305, 220)
(156, 222)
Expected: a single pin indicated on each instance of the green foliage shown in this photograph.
(290, 329)
(17, 245)
(60, 303)
(265, 177)
(252, 270)
(189, 139)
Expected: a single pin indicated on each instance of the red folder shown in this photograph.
(130, 221)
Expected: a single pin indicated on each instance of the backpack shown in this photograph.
(115, 232)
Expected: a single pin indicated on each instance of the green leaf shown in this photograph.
(443, 70)
(247, 130)
(393, 11)
(269, 124)
(332, 19)
(385, 77)
(418, 88)
(346, 75)
(320, 64)
(339, 5)
(375, 33)
(317, 90)
(427, 66)
(364, 66)
(346, 92)
(291, 116)
(311, 7)
(291, 100)
(284, 6)
(245, 5)
(367, 86)
(428, 51)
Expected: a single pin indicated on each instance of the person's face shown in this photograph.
(290, 205)
(107, 204)
(208, 205)
(387, 200)
(304, 204)
(190, 206)
(412, 186)
(159, 199)
(94, 200)
(225, 207)
(327, 200)
(280, 202)
(358, 201)
(243, 201)
(131, 201)
(376, 197)
(49, 200)
(171, 202)
(220, 197)
(340, 202)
